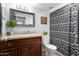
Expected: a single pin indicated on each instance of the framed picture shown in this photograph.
(43, 20)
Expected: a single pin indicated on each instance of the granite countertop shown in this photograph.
(20, 36)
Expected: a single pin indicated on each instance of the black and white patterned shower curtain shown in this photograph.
(64, 29)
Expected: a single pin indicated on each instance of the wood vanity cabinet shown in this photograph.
(22, 47)
(9, 52)
(30, 46)
(8, 48)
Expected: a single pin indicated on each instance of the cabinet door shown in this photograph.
(9, 52)
(24, 51)
(37, 50)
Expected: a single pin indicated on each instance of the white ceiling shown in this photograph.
(46, 6)
(40, 6)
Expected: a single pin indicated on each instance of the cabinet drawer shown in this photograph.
(29, 41)
(25, 42)
(1, 45)
(36, 40)
(10, 43)
(9, 52)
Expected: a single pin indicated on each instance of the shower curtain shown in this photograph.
(64, 29)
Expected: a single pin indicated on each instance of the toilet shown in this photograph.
(49, 48)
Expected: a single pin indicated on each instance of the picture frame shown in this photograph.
(43, 20)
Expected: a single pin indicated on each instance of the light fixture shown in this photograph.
(25, 6)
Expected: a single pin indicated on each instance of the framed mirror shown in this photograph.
(22, 18)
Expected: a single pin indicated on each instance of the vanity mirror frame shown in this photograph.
(12, 16)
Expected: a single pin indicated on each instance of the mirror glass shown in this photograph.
(22, 17)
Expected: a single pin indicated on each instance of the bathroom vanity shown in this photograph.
(21, 45)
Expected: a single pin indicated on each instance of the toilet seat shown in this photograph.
(50, 46)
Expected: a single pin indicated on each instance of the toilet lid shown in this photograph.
(50, 46)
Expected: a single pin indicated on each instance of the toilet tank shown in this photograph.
(45, 39)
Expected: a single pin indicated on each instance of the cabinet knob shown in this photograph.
(9, 44)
